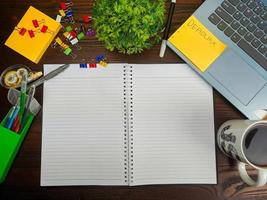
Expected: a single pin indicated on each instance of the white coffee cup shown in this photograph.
(243, 140)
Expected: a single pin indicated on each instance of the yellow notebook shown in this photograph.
(43, 30)
(197, 43)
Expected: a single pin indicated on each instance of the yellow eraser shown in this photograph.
(197, 43)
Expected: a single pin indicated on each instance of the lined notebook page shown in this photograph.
(173, 126)
(82, 139)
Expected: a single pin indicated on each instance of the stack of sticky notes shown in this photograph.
(33, 34)
(197, 43)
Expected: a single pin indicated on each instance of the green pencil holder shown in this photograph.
(10, 141)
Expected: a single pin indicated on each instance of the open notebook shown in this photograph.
(128, 124)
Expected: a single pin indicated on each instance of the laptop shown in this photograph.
(225, 42)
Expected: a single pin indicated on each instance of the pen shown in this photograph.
(12, 119)
(10, 116)
(23, 94)
(15, 126)
(167, 29)
(28, 103)
(50, 75)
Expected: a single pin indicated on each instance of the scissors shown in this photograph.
(49, 76)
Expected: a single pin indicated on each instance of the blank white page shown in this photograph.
(83, 138)
(173, 126)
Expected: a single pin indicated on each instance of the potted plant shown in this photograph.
(128, 26)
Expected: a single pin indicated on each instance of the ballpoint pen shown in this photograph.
(10, 116)
(50, 75)
(13, 117)
(28, 103)
(167, 29)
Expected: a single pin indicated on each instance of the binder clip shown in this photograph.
(58, 18)
(65, 12)
(87, 19)
(92, 65)
(21, 31)
(65, 6)
(36, 23)
(102, 60)
(90, 32)
(69, 16)
(68, 29)
(31, 33)
(62, 12)
(75, 42)
(64, 47)
(80, 36)
(72, 38)
(83, 64)
(99, 58)
(82, 28)
(45, 29)
(103, 63)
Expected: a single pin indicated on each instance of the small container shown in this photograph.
(10, 141)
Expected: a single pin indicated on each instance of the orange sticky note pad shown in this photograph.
(33, 48)
(197, 43)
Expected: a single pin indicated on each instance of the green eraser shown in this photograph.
(80, 35)
(68, 28)
(67, 51)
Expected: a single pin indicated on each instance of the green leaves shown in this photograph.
(129, 26)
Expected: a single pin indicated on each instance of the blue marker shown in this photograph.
(12, 118)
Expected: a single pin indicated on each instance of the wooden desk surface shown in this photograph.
(23, 181)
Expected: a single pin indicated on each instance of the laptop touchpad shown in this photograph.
(236, 76)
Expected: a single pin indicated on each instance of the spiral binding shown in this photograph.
(130, 117)
(128, 123)
(125, 126)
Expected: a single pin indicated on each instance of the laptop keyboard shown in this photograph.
(245, 22)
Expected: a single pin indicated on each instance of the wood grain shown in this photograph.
(23, 181)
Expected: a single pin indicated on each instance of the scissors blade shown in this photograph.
(50, 75)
